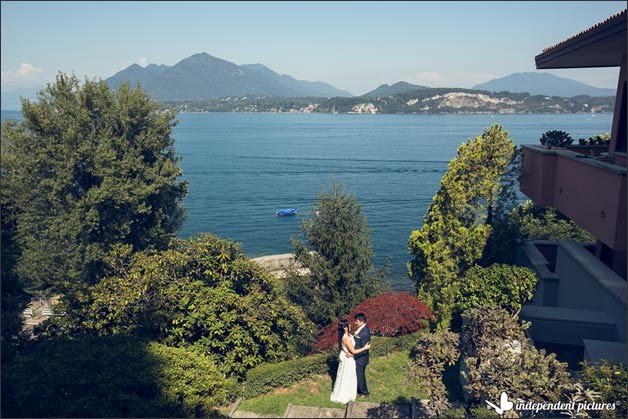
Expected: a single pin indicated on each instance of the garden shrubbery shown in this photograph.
(532, 222)
(499, 358)
(495, 357)
(384, 346)
(610, 381)
(598, 139)
(117, 376)
(432, 353)
(201, 293)
(390, 314)
(505, 286)
(556, 139)
(265, 377)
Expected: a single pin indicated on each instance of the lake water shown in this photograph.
(241, 167)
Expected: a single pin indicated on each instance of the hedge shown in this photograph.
(117, 376)
(382, 346)
(264, 378)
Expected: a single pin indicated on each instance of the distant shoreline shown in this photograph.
(369, 114)
(401, 114)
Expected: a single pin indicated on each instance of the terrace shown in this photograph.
(581, 298)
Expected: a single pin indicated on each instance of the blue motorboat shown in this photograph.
(286, 211)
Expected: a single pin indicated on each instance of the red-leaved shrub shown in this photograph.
(389, 314)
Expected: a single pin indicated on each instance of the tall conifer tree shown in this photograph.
(457, 226)
(339, 257)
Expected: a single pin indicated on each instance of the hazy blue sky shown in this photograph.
(353, 45)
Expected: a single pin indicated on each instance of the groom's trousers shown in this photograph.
(359, 371)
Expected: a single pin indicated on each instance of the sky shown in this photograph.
(355, 46)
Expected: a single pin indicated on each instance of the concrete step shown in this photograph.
(295, 411)
(596, 350)
(244, 414)
(378, 410)
(568, 325)
(360, 409)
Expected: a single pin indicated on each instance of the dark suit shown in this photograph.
(362, 359)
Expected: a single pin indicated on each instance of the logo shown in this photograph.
(567, 408)
(504, 404)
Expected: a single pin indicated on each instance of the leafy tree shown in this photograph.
(556, 139)
(117, 376)
(338, 255)
(89, 168)
(14, 298)
(201, 293)
(503, 286)
(457, 226)
(390, 314)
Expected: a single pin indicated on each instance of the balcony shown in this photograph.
(587, 188)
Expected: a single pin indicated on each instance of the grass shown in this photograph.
(385, 377)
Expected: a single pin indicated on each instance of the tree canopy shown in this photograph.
(339, 257)
(457, 226)
(201, 293)
(86, 169)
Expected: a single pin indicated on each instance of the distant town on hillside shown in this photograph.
(204, 83)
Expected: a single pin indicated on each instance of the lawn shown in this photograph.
(385, 376)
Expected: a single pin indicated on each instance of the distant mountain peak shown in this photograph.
(540, 83)
(203, 76)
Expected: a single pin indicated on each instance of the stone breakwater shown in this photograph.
(277, 265)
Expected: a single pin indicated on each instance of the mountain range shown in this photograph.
(203, 76)
(390, 90)
(542, 84)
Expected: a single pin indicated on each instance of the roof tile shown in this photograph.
(615, 16)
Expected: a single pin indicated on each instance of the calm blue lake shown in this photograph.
(241, 167)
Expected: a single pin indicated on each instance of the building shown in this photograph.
(582, 293)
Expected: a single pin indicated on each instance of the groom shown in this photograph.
(362, 336)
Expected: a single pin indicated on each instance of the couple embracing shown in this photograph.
(354, 357)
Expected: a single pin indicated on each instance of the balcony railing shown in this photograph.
(589, 190)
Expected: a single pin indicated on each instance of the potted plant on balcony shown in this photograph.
(556, 139)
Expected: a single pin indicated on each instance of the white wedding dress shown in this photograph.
(346, 385)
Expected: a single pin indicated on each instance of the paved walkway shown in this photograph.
(352, 410)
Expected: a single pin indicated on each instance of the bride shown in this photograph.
(346, 385)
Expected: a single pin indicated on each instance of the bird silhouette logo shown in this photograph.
(504, 404)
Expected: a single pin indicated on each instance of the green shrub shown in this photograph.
(233, 388)
(110, 377)
(202, 292)
(532, 222)
(484, 327)
(383, 346)
(498, 358)
(266, 377)
(432, 353)
(505, 286)
(598, 139)
(556, 139)
(610, 380)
